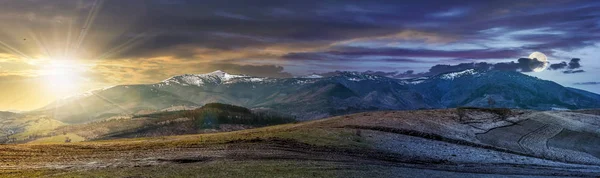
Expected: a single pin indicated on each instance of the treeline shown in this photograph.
(213, 114)
(227, 107)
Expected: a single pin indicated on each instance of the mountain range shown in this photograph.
(315, 96)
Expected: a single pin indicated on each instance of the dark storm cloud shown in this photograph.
(571, 66)
(404, 53)
(181, 27)
(197, 23)
(574, 64)
(527, 65)
(380, 73)
(561, 65)
(331, 57)
(521, 65)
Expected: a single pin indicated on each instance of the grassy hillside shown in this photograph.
(379, 144)
(213, 117)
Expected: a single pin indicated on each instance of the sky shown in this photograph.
(50, 49)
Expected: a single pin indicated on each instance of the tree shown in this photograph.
(491, 102)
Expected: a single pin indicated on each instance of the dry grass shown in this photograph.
(22, 159)
(324, 148)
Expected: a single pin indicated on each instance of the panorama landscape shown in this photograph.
(194, 88)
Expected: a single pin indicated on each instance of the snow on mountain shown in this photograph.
(312, 76)
(414, 81)
(358, 76)
(216, 77)
(333, 94)
(453, 75)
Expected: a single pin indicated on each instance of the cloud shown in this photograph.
(380, 73)
(405, 35)
(232, 15)
(528, 65)
(521, 65)
(152, 70)
(574, 64)
(194, 24)
(587, 83)
(442, 68)
(561, 65)
(359, 53)
(406, 74)
(301, 35)
(451, 13)
(573, 71)
(571, 66)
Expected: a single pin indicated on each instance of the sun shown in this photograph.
(62, 76)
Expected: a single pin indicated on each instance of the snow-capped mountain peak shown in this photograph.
(453, 75)
(224, 76)
(216, 77)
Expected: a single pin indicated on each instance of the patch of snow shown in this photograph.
(216, 77)
(313, 76)
(416, 82)
(354, 79)
(302, 81)
(453, 75)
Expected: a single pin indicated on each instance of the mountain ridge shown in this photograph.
(317, 97)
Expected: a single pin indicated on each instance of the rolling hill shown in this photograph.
(210, 118)
(463, 142)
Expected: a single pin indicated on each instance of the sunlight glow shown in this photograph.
(63, 76)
